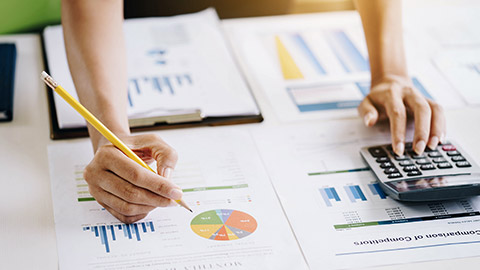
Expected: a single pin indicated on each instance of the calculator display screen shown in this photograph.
(434, 182)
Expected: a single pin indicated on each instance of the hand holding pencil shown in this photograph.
(126, 190)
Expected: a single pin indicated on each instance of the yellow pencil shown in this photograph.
(98, 125)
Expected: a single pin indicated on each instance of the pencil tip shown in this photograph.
(190, 210)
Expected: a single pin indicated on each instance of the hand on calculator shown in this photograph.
(395, 98)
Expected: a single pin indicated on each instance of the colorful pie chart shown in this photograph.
(223, 224)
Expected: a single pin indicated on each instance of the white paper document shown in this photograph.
(462, 68)
(316, 66)
(175, 65)
(237, 221)
(341, 217)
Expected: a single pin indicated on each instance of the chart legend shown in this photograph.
(223, 224)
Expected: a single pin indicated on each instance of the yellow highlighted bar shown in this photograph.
(290, 69)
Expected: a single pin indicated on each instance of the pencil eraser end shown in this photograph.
(44, 75)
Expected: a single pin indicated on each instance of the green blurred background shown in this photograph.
(17, 16)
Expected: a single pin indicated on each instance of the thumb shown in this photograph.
(368, 112)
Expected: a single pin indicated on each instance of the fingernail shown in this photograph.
(167, 172)
(442, 138)
(420, 147)
(367, 118)
(175, 194)
(433, 142)
(399, 148)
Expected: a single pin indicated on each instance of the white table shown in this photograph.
(27, 236)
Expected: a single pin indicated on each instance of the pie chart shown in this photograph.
(223, 224)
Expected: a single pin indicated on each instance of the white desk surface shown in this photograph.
(27, 236)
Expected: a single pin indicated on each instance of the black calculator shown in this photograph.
(447, 172)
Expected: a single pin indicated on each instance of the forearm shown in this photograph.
(96, 55)
(382, 23)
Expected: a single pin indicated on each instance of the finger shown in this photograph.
(131, 193)
(368, 112)
(422, 115)
(438, 125)
(398, 121)
(122, 218)
(115, 161)
(122, 207)
(165, 155)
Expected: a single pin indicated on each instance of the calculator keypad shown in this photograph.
(444, 160)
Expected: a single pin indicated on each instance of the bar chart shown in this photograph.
(110, 233)
(328, 194)
(377, 191)
(351, 194)
(298, 52)
(355, 193)
(160, 84)
(346, 52)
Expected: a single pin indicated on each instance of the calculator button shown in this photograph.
(408, 145)
(382, 159)
(427, 167)
(377, 152)
(410, 168)
(405, 163)
(385, 165)
(448, 147)
(453, 153)
(439, 160)
(400, 158)
(434, 154)
(444, 165)
(422, 161)
(414, 173)
(395, 175)
(390, 170)
(415, 156)
(458, 158)
(463, 164)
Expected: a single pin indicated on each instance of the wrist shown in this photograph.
(402, 79)
(99, 140)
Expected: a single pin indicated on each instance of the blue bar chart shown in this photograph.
(305, 48)
(377, 191)
(161, 84)
(346, 52)
(110, 233)
(329, 194)
(355, 193)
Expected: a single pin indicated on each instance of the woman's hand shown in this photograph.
(395, 99)
(126, 189)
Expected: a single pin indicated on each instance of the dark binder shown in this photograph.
(8, 56)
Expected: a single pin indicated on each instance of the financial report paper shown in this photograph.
(176, 65)
(316, 66)
(341, 217)
(237, 221)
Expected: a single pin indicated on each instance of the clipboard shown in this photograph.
(181, 119)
